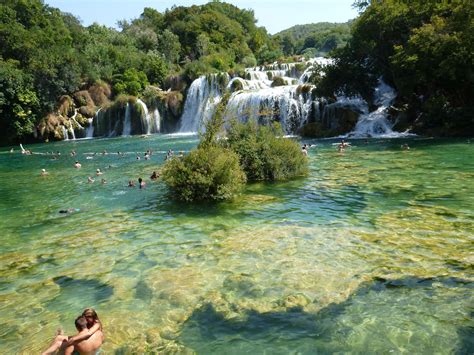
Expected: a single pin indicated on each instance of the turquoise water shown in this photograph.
(371, 253)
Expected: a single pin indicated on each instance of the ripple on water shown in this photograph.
(370, 253)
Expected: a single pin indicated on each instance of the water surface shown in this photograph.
(372, 252)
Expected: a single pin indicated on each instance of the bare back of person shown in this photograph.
(91, 345)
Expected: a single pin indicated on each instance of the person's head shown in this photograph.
(140, 180)
(90, 316)
(81, 323)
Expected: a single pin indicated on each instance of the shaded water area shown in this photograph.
(371, 253)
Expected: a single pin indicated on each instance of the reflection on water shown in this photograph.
(372, 252)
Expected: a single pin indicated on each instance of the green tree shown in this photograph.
(18, 103)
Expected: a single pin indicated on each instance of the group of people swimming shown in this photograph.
(87, 341)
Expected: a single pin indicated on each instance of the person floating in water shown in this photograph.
(88, 340)
(131, 183)
(70, 210)
(405, 147)
(44, 172)
(98, 172)
(90, 180)
(154, 175)
(77, 165)
(141, 183)
(103, 181)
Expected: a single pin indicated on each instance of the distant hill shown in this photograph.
(314, 38)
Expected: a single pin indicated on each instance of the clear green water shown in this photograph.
(373, 252)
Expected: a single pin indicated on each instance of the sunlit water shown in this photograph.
(371, 253)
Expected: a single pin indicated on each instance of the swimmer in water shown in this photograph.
(304, 150)
(90, 180)
(70, 210)
(77, 165)
(141, 183)
(44, 172)
(103, 181)
(98, 172)
(405, 147)
(131, 183)
(154, 176)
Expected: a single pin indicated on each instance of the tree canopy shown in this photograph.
(424, 49)
(45, 53)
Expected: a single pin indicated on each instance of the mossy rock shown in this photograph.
(82, 120)
(295, 302)
(175, 102)
(278, 81)
(66, 105)
(87, 111)
(100, 93)
(83, 98)
(304, 89)
(236, 85)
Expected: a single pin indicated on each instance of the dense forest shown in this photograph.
(51, 63)
(425, 49)
(45, 54)
(313, 40)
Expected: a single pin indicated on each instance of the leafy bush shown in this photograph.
(264, 153)
(132, 82)
(207, 173)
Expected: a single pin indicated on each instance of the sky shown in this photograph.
(275, 15)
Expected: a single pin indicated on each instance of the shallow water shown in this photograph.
(372, 252)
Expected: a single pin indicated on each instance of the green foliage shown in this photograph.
(18, 103)
(208, 173)
(423, 48)
(264, 153)
(314, 39)
(132, 82)
(55, 55)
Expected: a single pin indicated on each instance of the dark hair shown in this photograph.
(81, 323)
(140, 179)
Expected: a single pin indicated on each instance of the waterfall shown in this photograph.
(73, 118)
(320, 61)
(146, 127)
(90, 129)
(284, 104)
(156, 121)
(127, 125)
(201, 101)
(375, 123)
(65, 134)
(72, 132)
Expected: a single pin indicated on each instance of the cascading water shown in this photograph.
(145, 118)
(127, 125)
(203, 96)
(65, 133)
(254, 97)
(156, 121)
(90, 129)
(375, 123)
(284, 104)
